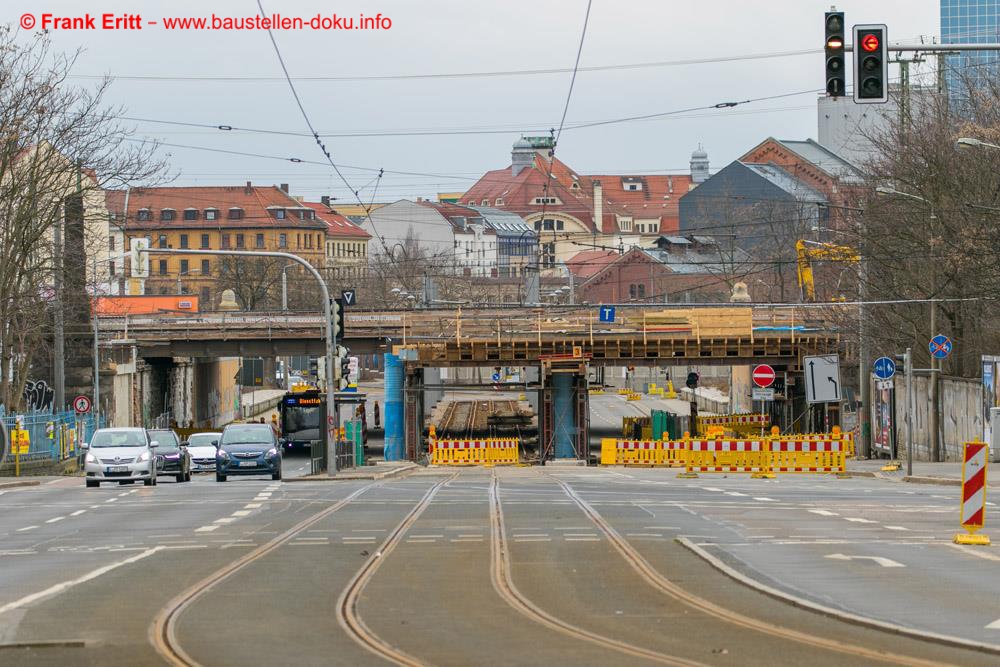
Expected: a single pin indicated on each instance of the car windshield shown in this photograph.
(118, 439)
(165, 439)
(203, 439)
(249, 434)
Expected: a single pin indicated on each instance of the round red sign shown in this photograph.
(81, 404)
(763, 376)
(869, 43)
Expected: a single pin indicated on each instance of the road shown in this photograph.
(527, 566)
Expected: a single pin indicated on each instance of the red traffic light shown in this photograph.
(835, 42)
(870, 42)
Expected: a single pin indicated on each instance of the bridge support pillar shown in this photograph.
(565, 411)
(413, 413)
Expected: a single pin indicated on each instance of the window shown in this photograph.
(559, 225)
(184, 240)
(111, 243)
(279, 213)
(185, 290)
(211, 214)
(312, 215)
(163, 267)
(204, 241)
(302, 214)
(298, 240)
(162, 241)
(642, 291)
(260, 241)
(206, 298)
(111, 268)
(144, 215)
(190, 214)
(240, 242)
(224, 241)
(498, 202)
(486, 202)
(235, 213)
(548, 254)
(545, 200)
(632, 291)
(184, 267)
(168, 214)
(205, 269)
(282, 240)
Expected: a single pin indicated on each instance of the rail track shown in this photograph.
(470, 419)
(661, 583)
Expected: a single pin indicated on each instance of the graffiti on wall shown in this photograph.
(38, 396)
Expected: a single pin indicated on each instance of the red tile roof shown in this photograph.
(449, 211)
(257, 204)
(336, 224)
(585, 264)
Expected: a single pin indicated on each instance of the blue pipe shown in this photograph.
(394, 438)
(564, 424)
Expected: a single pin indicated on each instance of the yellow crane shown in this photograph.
(807, 251)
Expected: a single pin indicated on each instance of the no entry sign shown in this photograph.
(763, 376)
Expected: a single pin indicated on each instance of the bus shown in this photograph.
(301, 414)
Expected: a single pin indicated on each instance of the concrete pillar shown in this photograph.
(563, 416)
(393, 414)
(432, 376)
(531, 377)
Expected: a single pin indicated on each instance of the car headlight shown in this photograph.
(221, 454)
(271, 453)
(90, 458)
(142, 457)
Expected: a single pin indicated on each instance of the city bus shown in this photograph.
(301, 414)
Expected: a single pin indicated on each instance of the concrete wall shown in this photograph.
(214, 392)
(395, 221)
(961, 418)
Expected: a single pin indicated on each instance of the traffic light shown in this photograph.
(836, 70)
(692, 380)
(871, 64)
(345, 370)
(337, 314)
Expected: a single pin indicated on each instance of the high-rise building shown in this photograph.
(968, 22)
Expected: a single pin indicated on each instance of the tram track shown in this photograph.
(659, 582)
(503, 584)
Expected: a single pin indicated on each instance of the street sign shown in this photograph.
(762, 394)
(81, 404)
(349, 296)
(940, 346)
(496, 377)
(884, 367)
(607, 313)
(882, 385)
(763, 376)
(822, 378)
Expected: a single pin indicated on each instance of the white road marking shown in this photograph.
(225, 519)
(583, 539)
(65, 585)
(857, 519)
(120, 495)
(712, 488)
(54, 519)
(416, 541)
(206, 529)
(643, 534)
(18, 552)
(766, 500)
(995, 625)
(252, 506)
(532, 539)
(897, 528)
(241, 513)
(425, 537)
(77, 513)
(824, 512)
(735, 493)
(973, 551)
(21, 530)
(884, 562)
(111, 500)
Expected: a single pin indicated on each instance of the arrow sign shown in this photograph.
(884, 562)
(349, 296)
(822, 379)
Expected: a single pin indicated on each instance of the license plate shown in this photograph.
(248, 464)
(117, 468)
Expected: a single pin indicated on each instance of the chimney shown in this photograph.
(325, 200)
(670, 184)
(284, 188)
(598, 206)
(249, 188)
(521, 157)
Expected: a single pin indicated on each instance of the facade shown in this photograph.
(517, 243)
(968, 22)
(210, 218)
(346, 243)
(571, 210)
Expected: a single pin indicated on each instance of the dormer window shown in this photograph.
(575, 186)
(311, 215)
(545, 200)
(632, 187)
(235, 213)
(279, 213)
(486, 202)
(211, 214)
(144, 215)
(190, 214)
(498, 202)
(168, 214)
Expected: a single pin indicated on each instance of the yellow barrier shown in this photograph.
(493, 451)
(794, 454)
(751, 456)
(741, 424)
(633, 396)
(504, 451)
(616, 451)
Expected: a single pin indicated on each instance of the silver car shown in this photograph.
(121, 455)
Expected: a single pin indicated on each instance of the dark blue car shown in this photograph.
(247, 449)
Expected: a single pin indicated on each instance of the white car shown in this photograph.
(202, 448)
(121, 455)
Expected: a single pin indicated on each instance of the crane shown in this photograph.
(807, 251)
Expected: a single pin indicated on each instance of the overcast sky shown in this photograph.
(443, 37)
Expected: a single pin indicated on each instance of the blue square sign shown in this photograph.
(607, 313)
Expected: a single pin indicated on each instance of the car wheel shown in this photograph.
(179, 478)
(276, 476)
(220, 478)
(92, 484)
(148, 482)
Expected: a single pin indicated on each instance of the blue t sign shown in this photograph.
(885, 368)
(607, 313)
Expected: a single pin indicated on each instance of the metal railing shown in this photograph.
(53, 436)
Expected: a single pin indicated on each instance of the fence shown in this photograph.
(53, 436)
(485, 451)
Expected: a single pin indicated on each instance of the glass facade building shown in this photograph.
(967, 22)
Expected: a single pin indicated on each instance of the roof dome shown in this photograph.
(522, 143)
(699, 154)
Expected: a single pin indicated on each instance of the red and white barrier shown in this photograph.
(974, 493)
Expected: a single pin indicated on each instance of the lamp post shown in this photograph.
(934, 417)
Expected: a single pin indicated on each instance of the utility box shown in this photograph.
(995, 434)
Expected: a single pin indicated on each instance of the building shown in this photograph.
(454, 238)
(970, 22)
(245, 217)
(572, 211)
(346, 243)
(691, 269)
(517, 243)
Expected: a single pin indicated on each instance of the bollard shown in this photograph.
(973, 514)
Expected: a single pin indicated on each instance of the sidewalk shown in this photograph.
(381, 470)
(946, 474)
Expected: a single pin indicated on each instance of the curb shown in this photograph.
(13, 485)
(940, 481)
(849, 617)
(395, 472)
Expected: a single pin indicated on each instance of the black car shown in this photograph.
(172, 457)
(248, 449)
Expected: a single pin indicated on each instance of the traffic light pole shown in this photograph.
(333, 419)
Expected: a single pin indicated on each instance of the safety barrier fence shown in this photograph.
(484, 451)
(759, 456)
(43, 436)
(741, 424)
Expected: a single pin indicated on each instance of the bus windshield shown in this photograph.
(298, 418)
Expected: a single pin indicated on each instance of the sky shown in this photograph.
(478, 117)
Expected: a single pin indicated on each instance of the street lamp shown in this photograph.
(935, 443)
(966, 143)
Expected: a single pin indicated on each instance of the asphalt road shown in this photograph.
(518, 566)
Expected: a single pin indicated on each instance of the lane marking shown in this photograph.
(824, 512)
(857, 519)
(532, 539)
(77, 513)
(54, 519)
(896, 528)
(110, 500)
(225, 519)
(643, 534)
(995, 625)
(735, 493)
(425, 537)
(253, 506)
(242, 513)
(206, 529)
(884, 562)
(61, 587)
(766, 500)
(21, 530)
(712, 488)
